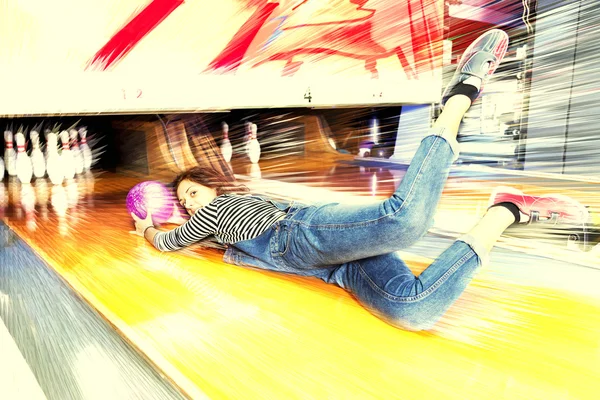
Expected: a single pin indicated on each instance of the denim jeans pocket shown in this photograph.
(282, 238)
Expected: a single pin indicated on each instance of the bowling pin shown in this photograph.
(253, 147)
(66, 156)
(77, 154)
(23, 163)
(226, 149)
(1, 168)
(248, 131)
(46, 133)
(10, 157)
(85, 149)
(54, 165)
(37, 157)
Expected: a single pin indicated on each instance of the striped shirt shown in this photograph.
(230, 218)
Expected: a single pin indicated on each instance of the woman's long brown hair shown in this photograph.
(210, 178)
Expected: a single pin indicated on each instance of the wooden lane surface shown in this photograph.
(229, 332)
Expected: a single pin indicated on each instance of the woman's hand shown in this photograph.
(141, 224)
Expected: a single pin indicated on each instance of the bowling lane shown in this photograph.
(228, 332)
(54, 346)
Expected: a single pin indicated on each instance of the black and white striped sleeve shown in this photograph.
(199, 226)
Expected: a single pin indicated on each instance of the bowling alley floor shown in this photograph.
(526, 327)
(56, 346)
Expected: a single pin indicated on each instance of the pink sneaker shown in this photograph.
(480, 59)
(551, 208)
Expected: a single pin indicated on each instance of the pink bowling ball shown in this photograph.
(152, 195)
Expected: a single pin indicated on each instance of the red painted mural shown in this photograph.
(133, 32)
(299, 31)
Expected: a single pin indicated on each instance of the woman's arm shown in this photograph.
(202, 224)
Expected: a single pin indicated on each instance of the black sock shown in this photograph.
(512, 208)
(465, 89)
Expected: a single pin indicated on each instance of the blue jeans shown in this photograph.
(355, 246)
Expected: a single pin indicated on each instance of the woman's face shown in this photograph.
(193, 196)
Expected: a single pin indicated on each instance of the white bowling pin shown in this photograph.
(226, 149)
(10, 157)
(46, 133)
(66, 156)
(253, 147)
(1, 168)
(54, 164)
(248, 126)
(77, 154)
(24, 168)
(85, 149)
(37, 157)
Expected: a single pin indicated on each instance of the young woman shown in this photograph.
(355, 246)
